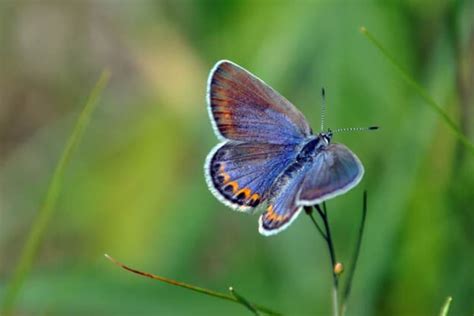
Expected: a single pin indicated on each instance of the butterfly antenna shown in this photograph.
(354, 129)
(323, 107)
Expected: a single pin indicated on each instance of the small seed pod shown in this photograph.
(338, 268)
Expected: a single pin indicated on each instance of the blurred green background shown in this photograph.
(135, 188)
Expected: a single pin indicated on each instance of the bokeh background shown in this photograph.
(135, 188)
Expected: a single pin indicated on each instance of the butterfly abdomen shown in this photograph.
(304, 158)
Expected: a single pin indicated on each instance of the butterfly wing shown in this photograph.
(244, 108)
(283, 207)
(334, 171)
(240, 174)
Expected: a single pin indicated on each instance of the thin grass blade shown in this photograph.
(35, 237)
(422, 92)
(445, 307)
(191, 287)
(243, 301)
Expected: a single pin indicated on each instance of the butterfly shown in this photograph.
(268, 155)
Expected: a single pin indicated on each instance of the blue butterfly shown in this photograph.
(268, 154)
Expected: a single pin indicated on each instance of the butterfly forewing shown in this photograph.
(244, 108)
(334, 171)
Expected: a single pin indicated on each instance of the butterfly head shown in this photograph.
(326, 137)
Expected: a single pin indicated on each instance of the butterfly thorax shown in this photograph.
(313, 146)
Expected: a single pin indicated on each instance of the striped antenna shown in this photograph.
(354, 129)
(323, 107)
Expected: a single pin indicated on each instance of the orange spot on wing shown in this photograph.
(255, 197)
(224, 174)
(234, 185)
(246, 191)
(226, 177)
(272, 216)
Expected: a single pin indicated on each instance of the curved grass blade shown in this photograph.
(45, 213)
(435, 106)
(446, 305)
(194, 288)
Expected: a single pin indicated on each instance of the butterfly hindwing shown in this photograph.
(283, 205)
(244, 108)
(240, 174)
(334, 171)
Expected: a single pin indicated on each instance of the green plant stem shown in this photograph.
(332, 253)
(232, 298)
(347, 290)
(429, 100)
(244, 301)
(45, 213)
(309, 211)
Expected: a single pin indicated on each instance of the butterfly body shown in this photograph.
(308, 152)
(268, 155)
(313, 146)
